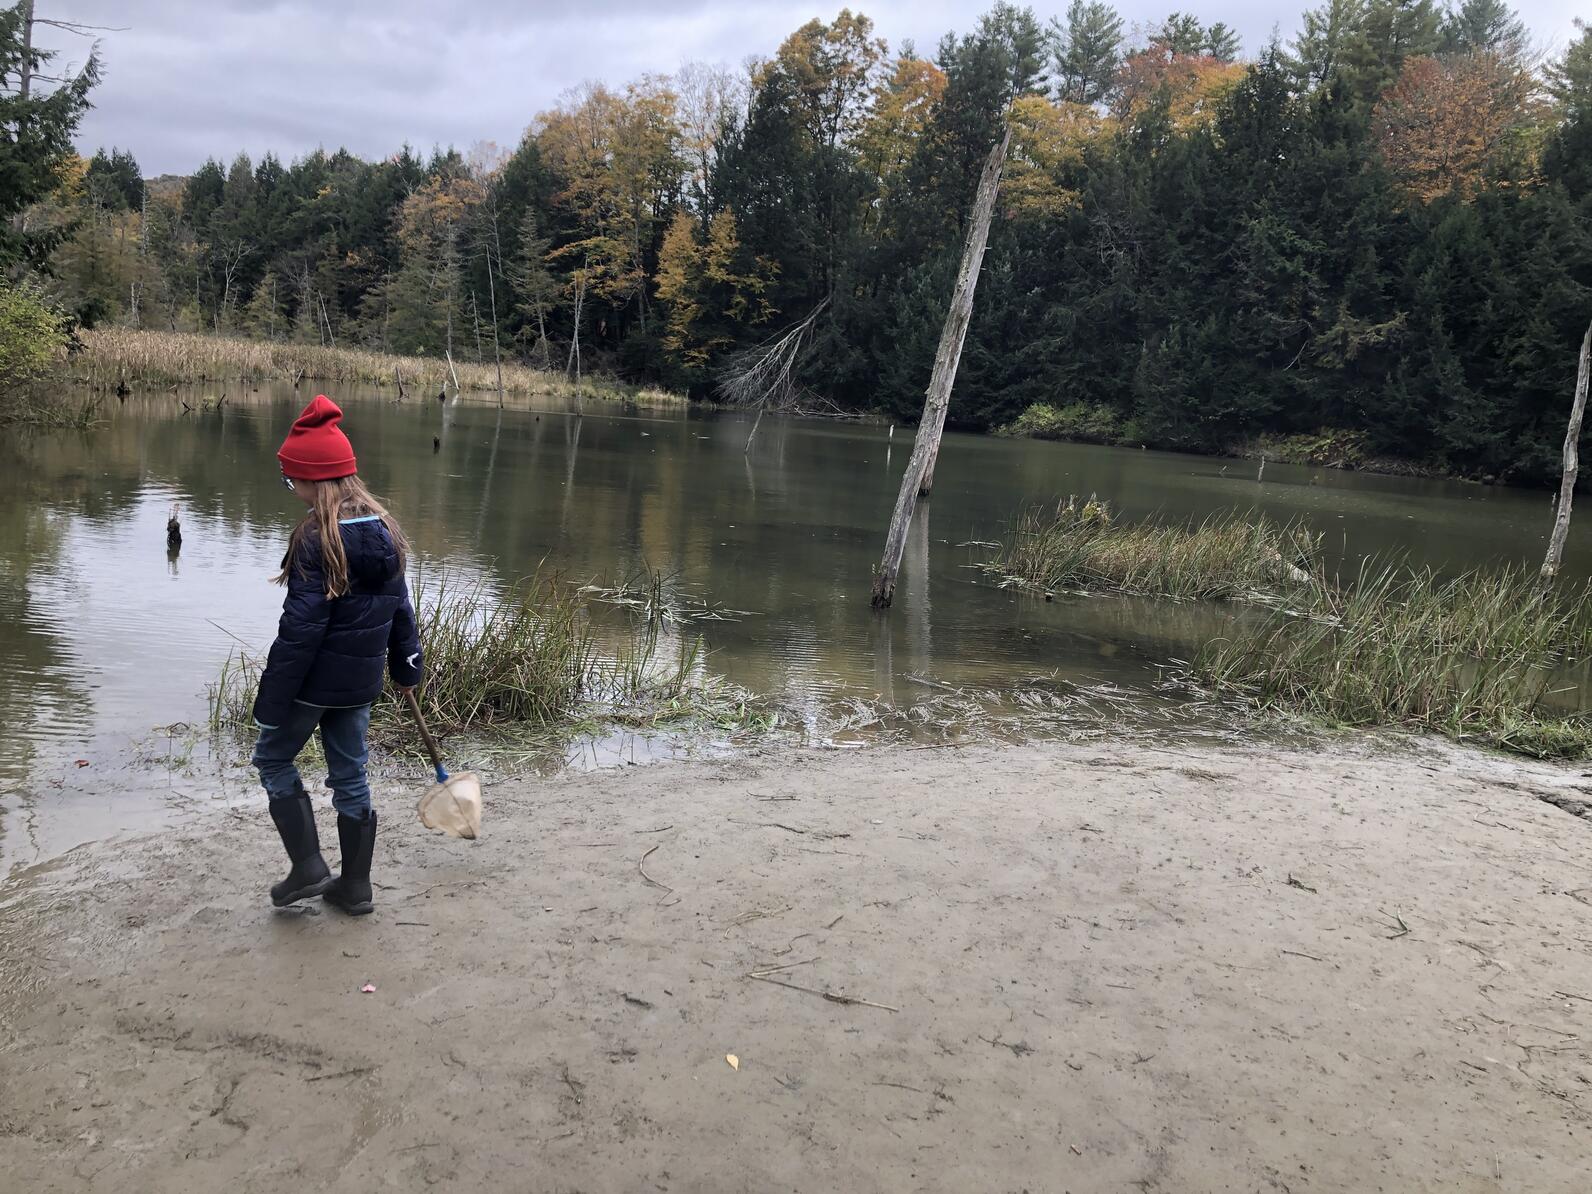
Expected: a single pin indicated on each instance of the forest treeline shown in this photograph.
(1378, 232)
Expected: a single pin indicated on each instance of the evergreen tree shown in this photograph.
(38, 127)
(1567, 158)
(1180, 33)
(535, 289)
(1222, 42)
(1485, 26)
(1331, 43)
(1086, 51)
(114, 181)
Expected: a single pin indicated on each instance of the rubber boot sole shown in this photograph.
(308, 891)
(355, 908)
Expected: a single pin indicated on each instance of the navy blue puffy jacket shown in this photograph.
(334, 652)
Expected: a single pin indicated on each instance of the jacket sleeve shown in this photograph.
(403, 644)
(298, 638)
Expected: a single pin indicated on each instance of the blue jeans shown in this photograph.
(342, 738)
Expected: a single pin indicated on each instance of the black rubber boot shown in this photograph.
(351, 890)
(295, 821)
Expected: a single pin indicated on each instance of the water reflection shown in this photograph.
(105, 634)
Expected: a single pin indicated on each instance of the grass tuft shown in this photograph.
(1480, 657)
(528, 659)
(1081, 546)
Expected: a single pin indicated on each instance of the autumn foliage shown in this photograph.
(1450, 124)
(1192, 84)
(1381, 229)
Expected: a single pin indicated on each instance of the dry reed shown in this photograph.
(113, 357)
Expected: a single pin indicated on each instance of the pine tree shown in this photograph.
(1485, 26)
(38, 128)
(262, 316)
(1567, 158)
(1222, 42)
(1331, 42)
(1180, 33)
(535, 288)
(1086, 50)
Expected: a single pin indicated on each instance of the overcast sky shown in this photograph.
(185, 79)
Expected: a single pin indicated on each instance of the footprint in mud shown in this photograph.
(209, 916)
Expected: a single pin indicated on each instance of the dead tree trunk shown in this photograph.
(491, 290)
(574, 343)
(752, 434)
(926, 447)
(1572, 441)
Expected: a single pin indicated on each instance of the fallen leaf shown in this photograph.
(368, 989)
(735, 1062)
(80, 763)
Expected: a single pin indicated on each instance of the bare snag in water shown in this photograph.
(926, 446)
(1572, 466)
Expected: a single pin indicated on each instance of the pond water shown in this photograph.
(105, 641)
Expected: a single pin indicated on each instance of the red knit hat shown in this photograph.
(316, 449)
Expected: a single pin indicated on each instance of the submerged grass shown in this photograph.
(1481, 657)
(112, 357)
(1080, 545)
(528, 660)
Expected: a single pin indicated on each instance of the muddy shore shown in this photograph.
(1121, 968)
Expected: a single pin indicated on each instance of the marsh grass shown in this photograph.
(527, 660)
(1482, 657)
(1081, 546)
(114, 356)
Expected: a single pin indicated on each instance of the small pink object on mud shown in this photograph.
(368, 989)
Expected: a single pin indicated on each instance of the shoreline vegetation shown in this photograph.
(1328, 447)
(1486, 656)
(124, 360)
(538, 659)
(1483, 657)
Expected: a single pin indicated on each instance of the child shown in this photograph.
(346, 619)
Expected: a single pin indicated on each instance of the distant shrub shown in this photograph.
(1329, 447)
(1083, 422)
(33, 337)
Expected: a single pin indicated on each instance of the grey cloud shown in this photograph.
(185, 81)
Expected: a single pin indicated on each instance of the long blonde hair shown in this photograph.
(345, 497)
